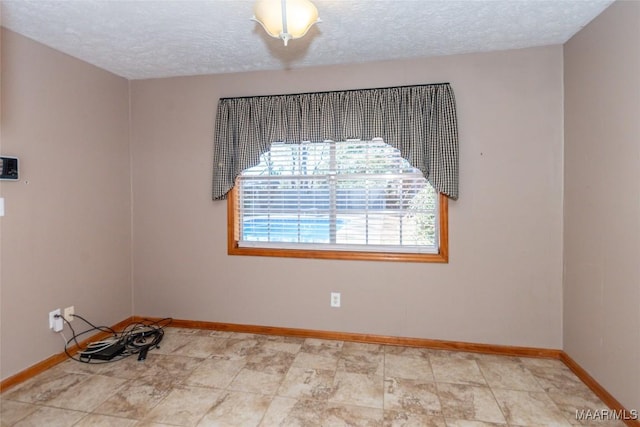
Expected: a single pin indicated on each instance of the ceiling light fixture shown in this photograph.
(285, 19)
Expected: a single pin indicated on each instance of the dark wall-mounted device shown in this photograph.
(9, 168)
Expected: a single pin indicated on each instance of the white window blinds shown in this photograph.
(347, 195)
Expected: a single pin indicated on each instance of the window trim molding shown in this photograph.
(233, 248)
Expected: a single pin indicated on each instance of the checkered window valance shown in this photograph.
(420, 121)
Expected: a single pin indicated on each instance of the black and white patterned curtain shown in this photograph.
(420, 121)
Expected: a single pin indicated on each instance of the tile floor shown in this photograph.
(210, 378)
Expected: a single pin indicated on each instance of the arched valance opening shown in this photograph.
(420, 121)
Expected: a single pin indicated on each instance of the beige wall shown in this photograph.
(503, 282)
(66, 235)
(602, 200)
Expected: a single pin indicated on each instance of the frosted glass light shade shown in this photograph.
(285, 19)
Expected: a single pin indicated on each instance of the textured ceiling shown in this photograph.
(147, 38)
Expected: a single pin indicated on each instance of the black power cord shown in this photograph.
(136, 338)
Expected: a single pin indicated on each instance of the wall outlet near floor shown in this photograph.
(68, 313)
(55, 320)
(335, 299)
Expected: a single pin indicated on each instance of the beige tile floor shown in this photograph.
(208, 378)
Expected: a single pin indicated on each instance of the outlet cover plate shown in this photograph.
(335, 299)
(55, 323)
(68, 313)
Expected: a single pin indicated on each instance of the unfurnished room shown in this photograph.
(320, 213)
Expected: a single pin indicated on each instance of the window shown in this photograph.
(339, 200)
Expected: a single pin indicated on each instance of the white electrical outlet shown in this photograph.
(55, 323)
(335, 299)
(68, 313)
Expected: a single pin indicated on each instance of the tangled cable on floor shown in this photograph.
(136, 338)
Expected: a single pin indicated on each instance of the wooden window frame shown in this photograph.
(233, 229)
